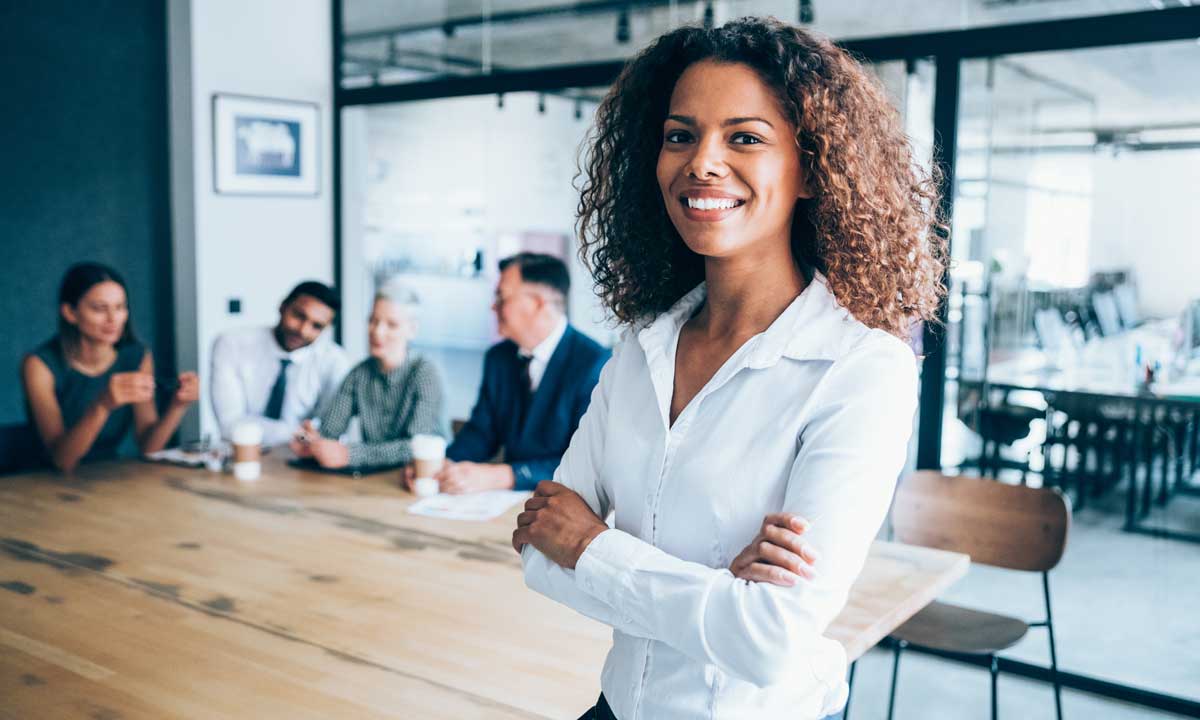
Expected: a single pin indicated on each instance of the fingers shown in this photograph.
(774, 555)
(547, 488)
(790, 521)
(791, 542)
(526, 518)
(520, 538)
(764, 573)
(536, 502)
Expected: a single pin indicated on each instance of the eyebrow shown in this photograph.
(688, 120)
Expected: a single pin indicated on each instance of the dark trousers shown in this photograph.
(600, 712)
(603, 712)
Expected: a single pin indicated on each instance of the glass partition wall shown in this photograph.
(1072, 361)
(1074, 150)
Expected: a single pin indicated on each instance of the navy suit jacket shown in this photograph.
(534, 447)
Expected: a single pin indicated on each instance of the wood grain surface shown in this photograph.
(134, 590)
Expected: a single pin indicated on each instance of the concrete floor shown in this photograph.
(931, 689)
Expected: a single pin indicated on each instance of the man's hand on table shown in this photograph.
(457, 478)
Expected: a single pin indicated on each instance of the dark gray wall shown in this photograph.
(83, 167)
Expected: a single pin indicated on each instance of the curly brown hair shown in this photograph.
(873, 227)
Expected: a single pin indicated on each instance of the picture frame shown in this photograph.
(265, 146)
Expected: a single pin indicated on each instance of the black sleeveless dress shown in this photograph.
(76, 392)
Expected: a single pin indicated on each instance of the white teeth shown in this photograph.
(711, 203)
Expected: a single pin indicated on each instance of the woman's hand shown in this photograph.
(329, 453)
(557, 522)
(126, 388)
(189, 390)
(777, 555)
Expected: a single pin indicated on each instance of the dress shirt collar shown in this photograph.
(813, 327)
(543, 350)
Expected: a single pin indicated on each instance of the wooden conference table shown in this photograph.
(148, 591)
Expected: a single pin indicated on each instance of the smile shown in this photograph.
(713, 203)
(709, 209)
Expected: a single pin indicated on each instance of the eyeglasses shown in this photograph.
(500, 300)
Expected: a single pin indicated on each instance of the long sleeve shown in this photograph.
(229, 401)
(528, 473)
(578, 471)
(425, 417)
(479, 438)
(850, 454)
(340, 409)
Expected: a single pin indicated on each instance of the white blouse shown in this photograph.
(812, 417)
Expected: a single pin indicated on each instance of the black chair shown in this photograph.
(999, 425)
(1100, 434)
(20, 448)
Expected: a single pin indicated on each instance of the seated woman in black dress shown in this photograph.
(86, 386)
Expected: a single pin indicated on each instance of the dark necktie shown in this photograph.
(275, 402)
(525, 383)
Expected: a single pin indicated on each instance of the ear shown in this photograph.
(806, 189)
(69, 313)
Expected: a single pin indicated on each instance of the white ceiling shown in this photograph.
(1126, 85)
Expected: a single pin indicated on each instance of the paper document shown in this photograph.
(473, 506)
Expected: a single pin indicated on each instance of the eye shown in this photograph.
(746, 139)
(677, 136)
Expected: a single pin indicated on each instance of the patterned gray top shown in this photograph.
(392, 407)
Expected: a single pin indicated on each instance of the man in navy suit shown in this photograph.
(536, 384)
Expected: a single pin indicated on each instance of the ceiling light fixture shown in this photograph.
(541, 103)
(500, 101)
(708, 15)
(623, 35)
(578, 108)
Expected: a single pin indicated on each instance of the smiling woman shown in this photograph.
(752, 212)
(866, 218)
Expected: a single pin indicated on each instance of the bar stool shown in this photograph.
(1006, 526)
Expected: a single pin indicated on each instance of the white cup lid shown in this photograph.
(429, 447)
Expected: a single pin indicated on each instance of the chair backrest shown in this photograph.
(1052, 332)
(1107, 314)
(20, 448)
(1008, 526)
(1127, 304)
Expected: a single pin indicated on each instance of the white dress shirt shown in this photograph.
(811, 416)
(245, 365)
(541, 354)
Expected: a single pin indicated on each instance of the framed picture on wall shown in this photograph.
(265, 146)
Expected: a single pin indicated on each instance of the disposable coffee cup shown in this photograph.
(247, 450)
(425, 487)
(429, 454)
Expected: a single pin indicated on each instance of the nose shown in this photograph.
(707, 160)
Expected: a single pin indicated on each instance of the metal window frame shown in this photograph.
(948, 49)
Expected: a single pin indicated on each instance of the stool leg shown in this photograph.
(995, 676)
(849, 691)
(900, 645)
